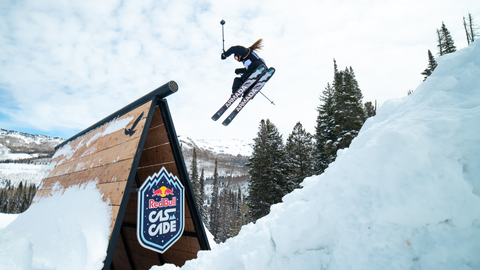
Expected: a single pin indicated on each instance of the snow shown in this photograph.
(232, 147)
(26, 173)
(69, 231)
(405, 195)
(116, 125)
(6, 219)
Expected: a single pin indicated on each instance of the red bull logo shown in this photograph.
(162, 192)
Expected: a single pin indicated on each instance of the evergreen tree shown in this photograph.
(239, 213)
(300, 151)
(340, 118)
(325, 134)
(349, 115)
(445, 41)
(214, 206)
(440, 43)
(369, 110)
(203, 211)
(432, 64)
(267, 181)
(194, 178)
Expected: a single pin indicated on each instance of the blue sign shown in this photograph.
(161, 211)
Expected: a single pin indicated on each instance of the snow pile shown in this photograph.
(6, 219)
(69, 231)
(405, 195)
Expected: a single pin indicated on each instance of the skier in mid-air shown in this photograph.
(250, 60)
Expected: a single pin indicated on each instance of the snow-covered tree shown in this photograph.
(300, 150)
(325, 130)
(267, 182)
(349, 115)
(340, 117)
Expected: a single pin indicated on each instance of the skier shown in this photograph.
(250, 60)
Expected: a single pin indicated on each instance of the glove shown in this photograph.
(239, 71)
(223, 56)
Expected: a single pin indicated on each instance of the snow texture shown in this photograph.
(26, 173)
(231, 147)
(69, 231)
(405, 195)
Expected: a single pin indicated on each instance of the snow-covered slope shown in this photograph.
(17, 145)
(405, 195)
(31, 154)
(232, 147)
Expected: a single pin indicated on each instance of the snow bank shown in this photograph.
(6, 219)
(69, 231)
(405, 195)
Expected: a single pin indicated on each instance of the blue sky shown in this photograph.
(67, 64)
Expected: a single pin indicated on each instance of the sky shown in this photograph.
(65, 65)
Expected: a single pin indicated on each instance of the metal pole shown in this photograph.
(267, 98)
(222, 22)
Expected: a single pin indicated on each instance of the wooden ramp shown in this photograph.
(119, 153)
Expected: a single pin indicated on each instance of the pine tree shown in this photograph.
(432, 64)
(239, 213)
(325, 130)
(349, 115)
(369, 110)
(214, 206)
(300, 151)
(340, 117)
(440, 43)
(267, 181)
(445, 41)
(194, 178)
(202, 207)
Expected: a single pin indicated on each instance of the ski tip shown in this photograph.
(226, 122)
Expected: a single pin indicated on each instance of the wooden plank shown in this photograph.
(113, 191)
(160, 154)
(102, 158)
(157, 119)
(114, 172)
(186, 244)
(156, 136)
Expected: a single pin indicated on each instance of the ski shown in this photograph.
(246, 85)
(255, 89)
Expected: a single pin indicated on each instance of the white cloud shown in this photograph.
(66, 65)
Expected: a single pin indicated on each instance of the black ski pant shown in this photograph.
(238, 81)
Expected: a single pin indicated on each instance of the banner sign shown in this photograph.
(161, 213)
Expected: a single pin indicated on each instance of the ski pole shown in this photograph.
(222, 22)
(267, 98)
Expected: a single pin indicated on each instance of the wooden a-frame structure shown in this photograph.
(119, 153)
